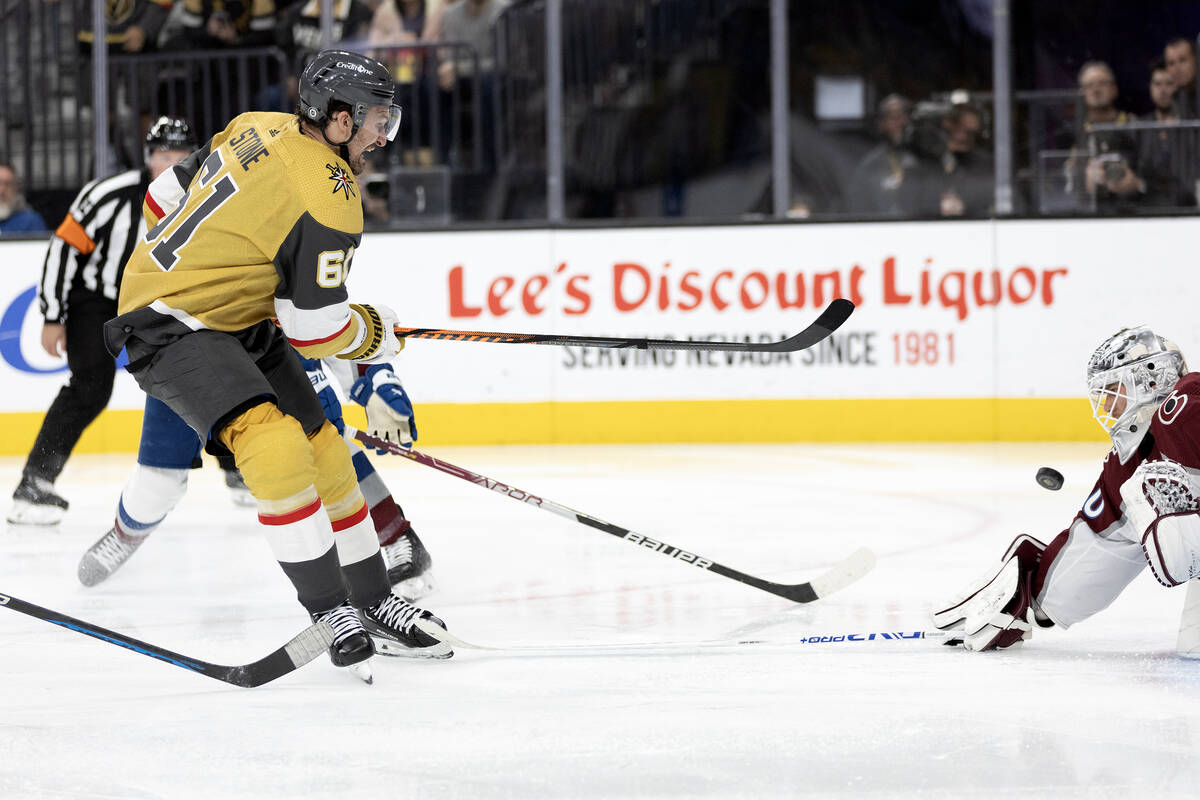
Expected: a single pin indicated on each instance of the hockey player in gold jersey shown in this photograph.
(259, 225)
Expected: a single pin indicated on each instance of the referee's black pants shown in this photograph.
(87, 391)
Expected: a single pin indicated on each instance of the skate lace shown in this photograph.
(344, 621)
(399, 552)
(397, 613)
(112, 550)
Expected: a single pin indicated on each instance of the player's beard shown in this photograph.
(7, 209)
(358, 164)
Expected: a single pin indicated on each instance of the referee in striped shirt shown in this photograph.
(78, 294)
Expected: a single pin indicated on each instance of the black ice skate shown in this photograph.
(36, 503)
(391, 623)
(351, 645)
(408, 564)
(238, 489)
(107, 555)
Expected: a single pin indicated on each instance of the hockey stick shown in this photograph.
(310, 643)
(555, 649)
(839, 576)
(831, 318)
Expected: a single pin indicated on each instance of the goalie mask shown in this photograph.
(1128, 376)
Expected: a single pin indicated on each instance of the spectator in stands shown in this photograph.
(216, 83)
(1163, 155)
(470, 22)
(132, 26)
(877, 185)
(1108, 176)
(15, 216)
(403, 22)
(215, 24)
(960, 181)
(1180, 57)
(298, 34)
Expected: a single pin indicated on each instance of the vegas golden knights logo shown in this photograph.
(118, 11)
(342, 182)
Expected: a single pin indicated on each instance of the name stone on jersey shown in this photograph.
(248, 148)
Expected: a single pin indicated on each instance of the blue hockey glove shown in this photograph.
(325, 392)
(389, 411)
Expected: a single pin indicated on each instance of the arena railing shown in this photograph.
(206, 87)
(435, 123)
(45, 94)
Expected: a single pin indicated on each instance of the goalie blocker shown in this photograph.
(999, 610)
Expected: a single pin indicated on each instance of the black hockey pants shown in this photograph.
(86, 393)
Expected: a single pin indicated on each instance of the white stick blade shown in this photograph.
(310, 643)
(856, 565)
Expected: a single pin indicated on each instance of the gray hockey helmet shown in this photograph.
(351, 78)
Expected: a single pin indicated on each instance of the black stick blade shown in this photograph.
(310, 643)
(830, 320)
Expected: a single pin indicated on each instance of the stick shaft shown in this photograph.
(576, 647)
(830, 320)
(850, 570)
(303, 648)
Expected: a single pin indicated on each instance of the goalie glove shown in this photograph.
(389, 411)
(376, 342)
(1161, 501)
(997, 611)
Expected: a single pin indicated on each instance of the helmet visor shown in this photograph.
(383, 121)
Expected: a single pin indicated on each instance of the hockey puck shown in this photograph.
(1049, 478)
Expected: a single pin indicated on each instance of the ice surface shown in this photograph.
(1105, 709)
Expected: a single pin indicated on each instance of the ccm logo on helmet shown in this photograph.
(355, 67)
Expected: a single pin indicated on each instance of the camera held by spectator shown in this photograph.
(956, 175)
(1112, 167)
(1112, 172)
(934, 121)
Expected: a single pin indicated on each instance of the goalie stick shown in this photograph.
(830, 320)
(564, 649)
(310, 643)
(842, 574)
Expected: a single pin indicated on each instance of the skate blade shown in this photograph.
(413, 589)
(26, 513)
(362, 671)
(243, 499)
(92, 575)
(392, 649)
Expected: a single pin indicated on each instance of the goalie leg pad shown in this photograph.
(275, 458)
(997, 610)
(1172, 548)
